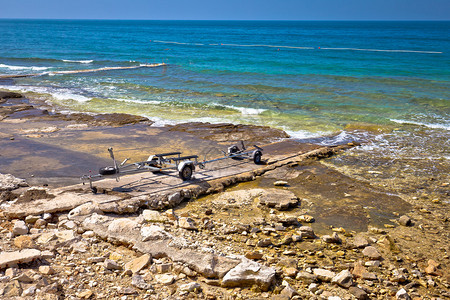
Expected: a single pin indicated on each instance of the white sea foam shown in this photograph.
(18, 68)
(303, 134)
(429, 125)
(138, 101)
(246, 110)
(88, 61)
(56, 93)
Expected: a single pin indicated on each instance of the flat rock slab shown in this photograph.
(62, 202)
(17, 257)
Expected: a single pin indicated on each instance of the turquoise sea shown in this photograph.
(383, 83)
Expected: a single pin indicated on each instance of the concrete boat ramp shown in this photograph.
(163, 190)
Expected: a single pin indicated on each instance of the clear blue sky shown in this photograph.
(228, 9)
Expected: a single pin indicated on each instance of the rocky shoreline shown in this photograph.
(278, 232)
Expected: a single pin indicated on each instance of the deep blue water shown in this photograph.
(387, 82)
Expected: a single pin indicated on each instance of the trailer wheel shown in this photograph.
(257, 157)
(232, 150)
(107, 171)
(186, 172)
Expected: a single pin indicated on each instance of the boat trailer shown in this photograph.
(156, 163)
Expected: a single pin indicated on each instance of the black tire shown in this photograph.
(186, 172)
(257, 157)
(107, 171)
(94, 190)
(233, 150)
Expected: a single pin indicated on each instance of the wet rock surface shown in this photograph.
(230, 132)
(231, 245)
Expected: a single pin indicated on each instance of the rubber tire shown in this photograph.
(94, 190)
(107, 171)
(186, 172)
(257, 157)
(232, 150)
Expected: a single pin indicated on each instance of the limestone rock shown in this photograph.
(279, 199)
(324, 275)
(290, 272)
(371, 252)
(288, 291)
(9, 182)
(122, 226)
(127, 291)
(20, 228)
(46, 270)
(306, 219)
(249, 273)
(31, 219)
(24, 241)
(154, 232)
(361, 272)
(111, 265)
(84, 210)
(402, 294)
(165, 279)
(86, 294)
(306, 277)
(163, 268)
(264, 243)
(431, 268)
(153, 216)
(40, 223)
(17, 257)
(334, 238)
(360, 241)
(359, 293)
(254, 255)
(306, 232)
(29, 291)
(12, 289)
(190, 287)
(45, 238)
(187, 223)
(24, 278)
(138, 264)
(405, 220)
(65, 235)
(343, 279)
(139, 282)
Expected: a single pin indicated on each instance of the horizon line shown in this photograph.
(236, 20)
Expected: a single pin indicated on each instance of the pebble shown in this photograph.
(111, 265)
(280, 183)
(324, 275)
(343, 279)
(165, 279)
(405, 220)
